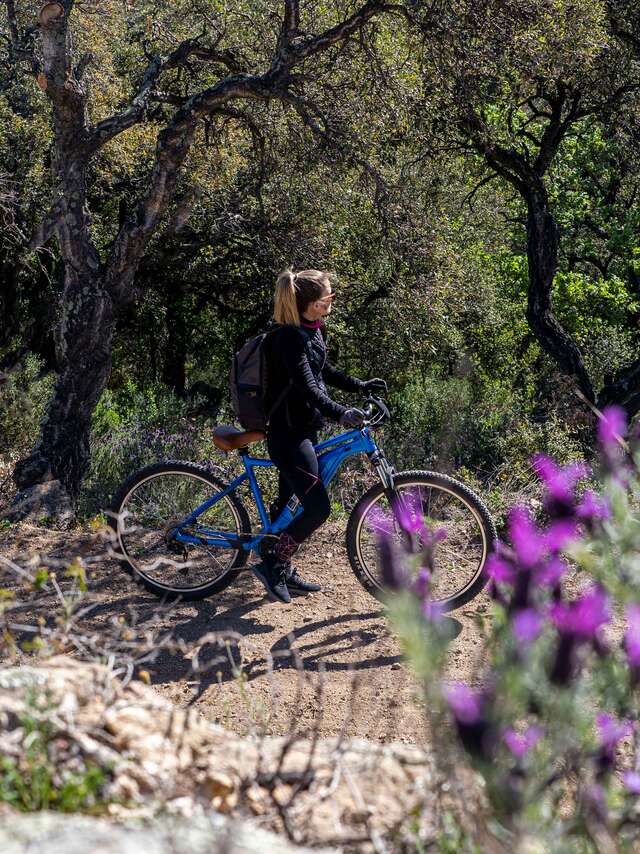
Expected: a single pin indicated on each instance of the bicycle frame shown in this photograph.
(332, 453)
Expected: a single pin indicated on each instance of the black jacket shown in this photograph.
(297, 360)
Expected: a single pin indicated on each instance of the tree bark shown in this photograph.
(52, 474)
(174, 373)
(542, 255)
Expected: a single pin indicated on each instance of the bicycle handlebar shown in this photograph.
(376, 411)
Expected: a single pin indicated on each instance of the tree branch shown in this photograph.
(291, 19)
(46, 229)
(108, 128)
(175, 141)
(14, 30)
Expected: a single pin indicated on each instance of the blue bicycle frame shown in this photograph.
(331, 454)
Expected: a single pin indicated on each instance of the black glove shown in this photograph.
(375, 386)
(352, 418)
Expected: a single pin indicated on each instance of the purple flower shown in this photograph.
(465, 704)
(560, 533)
(611, 730)
(520, 743)
(421, 584)
(394, 572)
(408, 512)
(632, 635)
(559, 481)
(526, 625)
(592, 507)
(552, 572)
(584, 617)
(631, 780)
(432, 611)
(499, 570)
(527, 541)
(612, 426)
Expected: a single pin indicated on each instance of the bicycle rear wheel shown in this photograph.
(460, 558)
(144, 515)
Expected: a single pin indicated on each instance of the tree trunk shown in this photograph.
(542, 254)
(174, 373)
(49, 479)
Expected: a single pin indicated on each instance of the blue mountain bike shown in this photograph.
(184, 533)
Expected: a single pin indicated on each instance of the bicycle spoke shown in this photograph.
(458, 558)
(152, 511)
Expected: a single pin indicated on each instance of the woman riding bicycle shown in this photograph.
(298, 374)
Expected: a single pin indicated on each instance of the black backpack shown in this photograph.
(248, 383)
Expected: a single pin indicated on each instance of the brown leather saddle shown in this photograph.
(229, 438)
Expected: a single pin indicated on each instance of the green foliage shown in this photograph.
(23, 398)
(138, 426)
(34, 782)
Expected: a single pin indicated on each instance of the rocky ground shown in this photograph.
(162, 760)
(327, 661)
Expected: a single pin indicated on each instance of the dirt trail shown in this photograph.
(271, 673)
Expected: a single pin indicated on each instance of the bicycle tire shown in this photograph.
(202, 473)
(442, 482)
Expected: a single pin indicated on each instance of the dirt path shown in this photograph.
(272, 669)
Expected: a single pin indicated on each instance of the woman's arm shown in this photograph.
(294, 356)
(338, 379)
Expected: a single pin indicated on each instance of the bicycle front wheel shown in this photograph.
(444, 503)
(148, 510)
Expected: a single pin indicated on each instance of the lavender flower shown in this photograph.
(421, 584)
(560, 483)
(631, 781)
(500, 570)
(476, 733)
(521, 743)
(612, 426)
(584, 617)
(559, 534)
(526, 626)
(632, 636)
(592, 507)
(394, 572)
(552, 572)
(611, 730)
(408, 512)
(465, 704)
(527, 541)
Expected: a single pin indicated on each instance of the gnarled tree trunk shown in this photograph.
(542, 255)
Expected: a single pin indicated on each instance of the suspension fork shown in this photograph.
(385, 472)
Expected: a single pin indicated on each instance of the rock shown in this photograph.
(155, 753)
(48, 499)
(55, 833)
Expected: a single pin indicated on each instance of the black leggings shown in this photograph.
(297, 464)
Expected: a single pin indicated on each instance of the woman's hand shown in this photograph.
(375, 386)
(352, 418)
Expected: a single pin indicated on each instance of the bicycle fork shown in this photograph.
(385, 473)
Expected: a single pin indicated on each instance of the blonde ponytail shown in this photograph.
(285, 307)
(294, 292)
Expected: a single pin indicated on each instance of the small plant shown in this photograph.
(47, 774)
(552, 724)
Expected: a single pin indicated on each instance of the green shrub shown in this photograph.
(36, 781)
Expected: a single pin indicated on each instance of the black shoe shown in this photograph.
(273, 575)
(296, 583)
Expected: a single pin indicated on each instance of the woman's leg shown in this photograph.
(298, 464)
